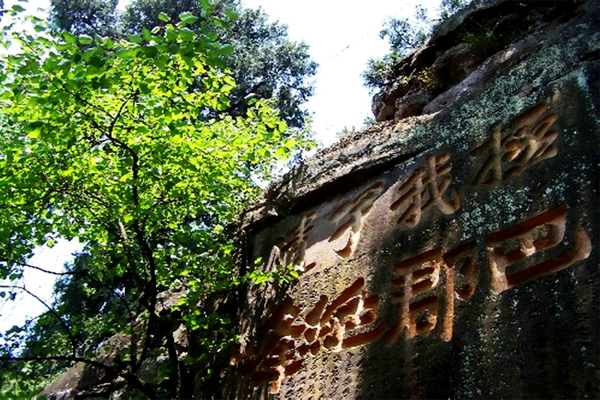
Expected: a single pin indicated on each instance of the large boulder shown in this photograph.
(448, 255)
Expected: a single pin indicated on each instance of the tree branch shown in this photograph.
(68, 273)
(86, 275)
(51, 310)
(131, 379)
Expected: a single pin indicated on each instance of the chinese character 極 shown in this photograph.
(525, 141)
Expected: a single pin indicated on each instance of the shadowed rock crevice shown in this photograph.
(472, 47)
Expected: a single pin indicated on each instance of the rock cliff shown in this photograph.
(450, 250)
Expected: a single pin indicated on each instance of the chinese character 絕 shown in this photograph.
(525, 141)
(350, 217)
(528, 238)
(286, 338)
(330, 323)
(425, 189)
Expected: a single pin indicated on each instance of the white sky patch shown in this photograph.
(343, 36)
(39, 283)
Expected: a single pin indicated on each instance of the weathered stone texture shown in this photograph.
(448, 255)
(473, 47)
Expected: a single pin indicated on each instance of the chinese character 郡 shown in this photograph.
(427, 285)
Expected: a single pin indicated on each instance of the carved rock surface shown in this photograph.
(450, 255)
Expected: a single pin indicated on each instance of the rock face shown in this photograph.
(467, 51)
(451, 255)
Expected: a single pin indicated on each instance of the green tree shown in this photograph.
(109, 140)
(265, 63)
(86, 16)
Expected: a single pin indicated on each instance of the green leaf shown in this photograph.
(221, 23)
(150, 51)
(231, 14)
(85, 39)
(187, 18)
(69, 37)
(146, 35)
(186, 34)
(163, 17)
(290, 143)
(97, 62)
(226, 49)
(205, 4)
(108, 43)
(126, 53)
(135, 39)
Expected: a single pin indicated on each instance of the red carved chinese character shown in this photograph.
(425, 189)
(275, 355)
(351, 215)
(291, 250)
(425, 285)
(522, 241)
(346, 312)
(416, 288)
(527, 140)
(285, 339)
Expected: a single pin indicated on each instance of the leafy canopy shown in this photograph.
(263, 61)
(121, 143)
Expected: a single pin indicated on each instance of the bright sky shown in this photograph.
(342, 35)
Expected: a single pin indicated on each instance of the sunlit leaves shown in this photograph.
(187, 18)
(115, 142)
(163, 17)
(85, 39)
(69, 37)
